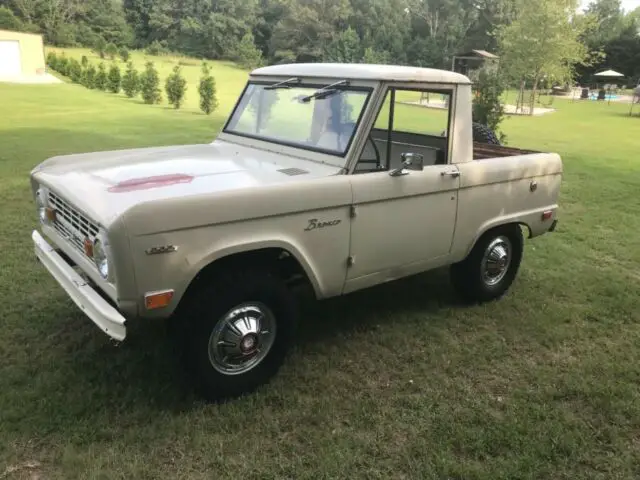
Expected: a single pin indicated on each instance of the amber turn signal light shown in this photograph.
(153, 300)
(50, 214)
(88, 248)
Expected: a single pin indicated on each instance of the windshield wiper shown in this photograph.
(283, 84)
(324, 92)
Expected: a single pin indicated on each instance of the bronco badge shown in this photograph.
(314, 223)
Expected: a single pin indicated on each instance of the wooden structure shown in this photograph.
(466, 62)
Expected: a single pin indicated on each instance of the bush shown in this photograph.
(114, 79)
(124, 54)
(101, 77)
(52, 60)
(84, 61)
(207, 91)
(150, 85)
(74, 70)
(62, 64)
(89, 76)
(100, 46)
(156, 48)
(131, 81)
(111, 50)
(176, 87)
(487, 107)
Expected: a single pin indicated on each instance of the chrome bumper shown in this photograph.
(90, 302)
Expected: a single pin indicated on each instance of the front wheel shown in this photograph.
(238, 328)
(491, 267)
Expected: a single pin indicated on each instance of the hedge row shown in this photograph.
(134, 83)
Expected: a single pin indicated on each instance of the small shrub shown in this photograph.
(101, 77)
(100, 46)
(124, 54)
(156, 49)
(62, 64)
(52, 60)
(131, 81)
(84, 61)
(111, 50)
(89, 77)
(114, 79)
(74, 70)
(207, 91)
(150, 85)
(176, 87)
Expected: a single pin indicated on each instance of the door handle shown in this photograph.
(451, 173)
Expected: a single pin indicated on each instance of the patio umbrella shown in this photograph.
(609, 74)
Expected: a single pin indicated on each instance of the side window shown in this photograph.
(409, 121)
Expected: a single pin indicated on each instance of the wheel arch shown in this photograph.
(284, 257)
(492, 226)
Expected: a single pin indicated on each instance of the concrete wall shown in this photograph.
(31, 51)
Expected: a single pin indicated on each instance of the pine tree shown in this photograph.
(207, 91)
(100, 46)
(131, 81)
(246, 54)
(150, 85)
(111, 50)
(74, 70)
(114, 79)
(101, 77)
(176, 87)
(124, 54)
(89, 76)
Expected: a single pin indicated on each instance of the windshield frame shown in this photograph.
(304, 83)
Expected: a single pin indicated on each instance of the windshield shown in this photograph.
(304, 116)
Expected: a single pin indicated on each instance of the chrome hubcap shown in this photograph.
(242, 338)
(496, 260)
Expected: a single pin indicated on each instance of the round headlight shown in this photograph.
(42, 212)
(100, 258)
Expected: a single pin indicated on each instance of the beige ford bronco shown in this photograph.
(340, 176)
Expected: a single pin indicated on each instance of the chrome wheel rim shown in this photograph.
(496, 260)
(242, 338)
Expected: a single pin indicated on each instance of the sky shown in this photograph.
(628, 5)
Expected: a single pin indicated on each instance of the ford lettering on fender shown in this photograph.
(212, 237)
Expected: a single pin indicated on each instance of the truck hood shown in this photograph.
(105, 184)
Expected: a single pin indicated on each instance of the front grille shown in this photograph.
(72, 224)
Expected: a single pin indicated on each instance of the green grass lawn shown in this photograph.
(400, 381)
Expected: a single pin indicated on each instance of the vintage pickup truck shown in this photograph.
(340, 176)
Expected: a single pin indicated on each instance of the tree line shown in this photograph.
(254, 32)
(134, 83)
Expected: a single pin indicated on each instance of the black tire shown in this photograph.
(483, 134)
(474, 280)
(205, 308)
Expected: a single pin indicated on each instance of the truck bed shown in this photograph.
(483, 151)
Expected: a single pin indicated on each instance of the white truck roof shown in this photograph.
(363, 71)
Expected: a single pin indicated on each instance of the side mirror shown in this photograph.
(410, 161)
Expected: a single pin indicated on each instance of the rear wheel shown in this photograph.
(491, 267)
(237, 330)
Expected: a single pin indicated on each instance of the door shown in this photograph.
(403, 224)
(10, 64)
